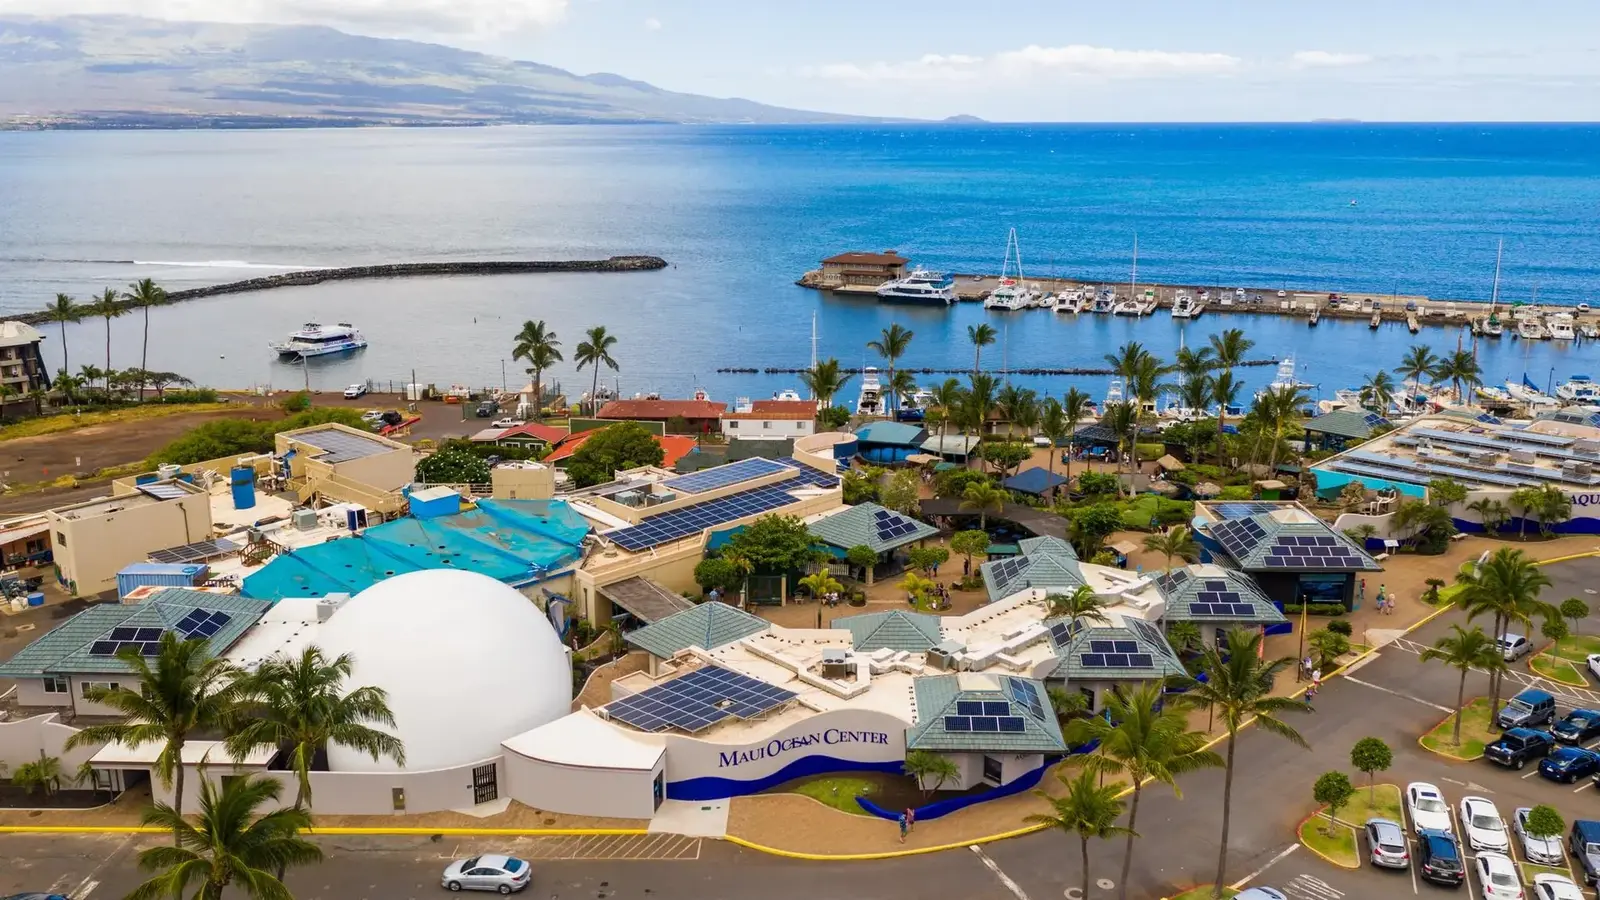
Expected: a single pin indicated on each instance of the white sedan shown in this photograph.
(1427, 808)
(1497, 874)
(1555, 887)
(1484, 828)
(1594, 665)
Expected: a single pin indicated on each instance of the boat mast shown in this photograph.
(1133, 280)
(1494, 294)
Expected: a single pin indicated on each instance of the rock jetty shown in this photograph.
(405, 270)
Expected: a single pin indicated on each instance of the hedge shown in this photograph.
(1317, 609)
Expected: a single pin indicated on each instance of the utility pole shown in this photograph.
(305, 364)
(502, 376)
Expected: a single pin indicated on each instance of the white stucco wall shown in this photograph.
(854, 734)
(614, 793)
(355, 793)
(24, 740)
(31, 692)
(970, 768)
(89, 707)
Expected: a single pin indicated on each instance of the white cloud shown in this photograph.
(1322, 59)
(1074, 59)
(411, 18)
(652, 24)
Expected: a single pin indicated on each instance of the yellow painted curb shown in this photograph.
(887, 854)
(1556, 559)
(1299, 837)
(1441, 724)
(1551, 660)
(454, 832)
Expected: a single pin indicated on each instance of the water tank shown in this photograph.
(168, 472)
(244, 487)
(304, 519)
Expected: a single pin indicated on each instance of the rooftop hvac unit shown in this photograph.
(663, 497)
(835, 664)
(1577, 467)
(943, 657)
(1587, 445)
(305, 519)
(1483, 457)
(1524, 456)
(629, 498)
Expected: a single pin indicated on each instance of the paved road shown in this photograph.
(1395, 697)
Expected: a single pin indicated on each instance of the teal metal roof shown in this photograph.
(1148, 637)
(65, 650)
(896, 433)
(708, 626)
(938, 697)
(1045, 562)
(1184, 588)
(895, 629)
(1347, 423)
(861, 525)
(1250, 541)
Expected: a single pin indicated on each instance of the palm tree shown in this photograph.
(1012, 402)
(232, 842)
(1194, 364)
(540, 349)
(1175, 541)
(1492, 513)
(1284, 415)
(824, 380)
(1239, 687)
(900, 385)
(1195, 393)
(1123, 421)
(1088, 810)
(1378, 393)
(1505, 586)
(891, 346)
(1128, 360)
(1224, 393)
(1466, 650)
(1419, 362)
(106, 307)
(948, 398)
(1552, 506)
(144, 294)
(1146, 740)
(298, 704)
(984, 497)
(981, 336)
(1525, 500)
(980, 400)
(1082, 603)
(187, 691)
(64, 310)
(1229, 347)
(1075, 406)
(595, 350)
(820, 584)
(1462, 371)
(1053, 425)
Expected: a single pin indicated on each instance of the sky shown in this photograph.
(1024, 60)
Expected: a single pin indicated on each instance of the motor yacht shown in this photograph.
(314, 339)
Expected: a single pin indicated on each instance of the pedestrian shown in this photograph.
(1305, 666)
(1361, 589)
(903, 826)
(936, 570)
(966, 568)
(911, 819)
(1316, 678)
(1310, 693)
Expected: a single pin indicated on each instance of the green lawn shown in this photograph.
(1340, 847)
(839, 792)
(1475, 732)
(1360, 808)
(1576, 648)
(1529, 870)
(1203, 892)
(1557, 669)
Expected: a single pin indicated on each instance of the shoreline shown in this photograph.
(305, 277)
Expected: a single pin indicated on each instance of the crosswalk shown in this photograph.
(1307, 887)
(1519, 679)
(653, 846)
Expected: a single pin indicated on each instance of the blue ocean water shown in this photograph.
(740, 212)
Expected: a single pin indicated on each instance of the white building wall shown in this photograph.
(857, 735)
(613, 793)
(355, 793)
(25, 740)
(85, 707)
(767, 429)
(31, 692)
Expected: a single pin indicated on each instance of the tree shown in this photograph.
(231, 842)
(1175, 541)
(1075, 406)
(1013, 403)
(1185, 637)
(64, 310)
(1088, 810)
(1576, 610)
(106, 307)
(1239, 689)
(925, 766)
(537, 346)
(981, 336)
(775, 544)
(186, 691)
(298, 705)
(1327, 646)
(1004, 455)
(1091, 525)
(453, 465)
(891, 345)
(1122, 419)
(824, 380)
(1361, 533)
(1195, 394)
(900, 494)
(1445, 492)
(44, 772)
(1092, 483)
(144, 294)
(1418, 363)
(1505, 586)
(1371, 755)
(1552, 506)
(1225, 393)
(983, 497)
(1144, 740)
(1333, 790)
(1081, 603)
(1377, 394)
(1545, 822)
(953, 482)
(862, 557)
(821, 584)
(978, 401)
(833, 418)
(1525, 501)
(1229, 347)
(917, 588)
(970, 543)
(1461, 369)
(1053, 425)
(1465, 650)
(1430, 526)
(948, 397)
(1492, 513)
(926, 559)
(900, 385)
(860, 487)
(1554, 630)
(625, 445)
(715, 573)
(595, 350)
(1283, 416)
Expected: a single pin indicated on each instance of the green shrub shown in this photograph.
(232, 437)
(194, 395)
(1096, 483)
(1236, 492)
(1340, 626)
(1150, 451)
(297, 402)
(452, 464)
(1317, 609)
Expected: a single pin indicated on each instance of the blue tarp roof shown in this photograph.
(515, 541)
(1033, 481)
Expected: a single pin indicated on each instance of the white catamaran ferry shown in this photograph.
(921, 286)
(314, 339)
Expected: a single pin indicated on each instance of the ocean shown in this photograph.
(741, 212)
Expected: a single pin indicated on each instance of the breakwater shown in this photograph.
(1027, 370)
(306, 277)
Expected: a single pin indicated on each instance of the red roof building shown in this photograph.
(673, 446)
(702, 415)
(535, 433)
(857, 268)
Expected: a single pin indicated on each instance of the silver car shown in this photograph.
(1546, 851)
(489, 872)
(1387, 841)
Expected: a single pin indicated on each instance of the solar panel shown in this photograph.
(1006, 570)
(123, 634)
(1142, 661)
(722, 476)
(129, 645)
(1216, 585)
(103, 648)
(163, 490)
(1093, 660)
(1024, 693)
(1116, 660)
(1012, 724)
(969, 707)
(147, 634)
(1241, 510)
(1200, 609)
(1243, 609)
(198, 552)
(985, 723)
(1103, 646)
(152, 648)
(341, 446)
(205, 629)
(809, 476)
(996, 708)
(957, 723)
(697, 517)
(698, 700)
(1127, 647)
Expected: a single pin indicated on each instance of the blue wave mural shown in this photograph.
(1574, 525)
(940, 808)
(713, 788)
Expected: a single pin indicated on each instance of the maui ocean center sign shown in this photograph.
(779, 746)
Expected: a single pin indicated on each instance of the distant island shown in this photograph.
(964, 119)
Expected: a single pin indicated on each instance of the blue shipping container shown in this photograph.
(139, 575)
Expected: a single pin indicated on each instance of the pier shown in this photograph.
(1027, 370)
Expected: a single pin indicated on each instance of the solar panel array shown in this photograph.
(1238, 536)
(1023, 693)
(341, 446)
(1117, 660)
(808, 476)
(1373, 420)
(999, 724)
(163, 490)
(1114, 646)
(671, 526)
(198, 552)
(891, 526)
(1306, 551)
(1172, 581)
(144, 641)
(1241, 509)
(1006, 570)
(1216, 598)
(698, 700)
(1064, 632)
(201, 623)
(722, 476)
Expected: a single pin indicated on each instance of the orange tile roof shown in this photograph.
(661, 409)
(673, 447)
(785, 414)
(856, 257)
(809, 407)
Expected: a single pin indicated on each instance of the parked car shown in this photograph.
(487, 408)
(1545, 851)
(1518, 746)
(1439, 858)
(1482, 825)
(1555, 887)
(489, 872)
(1579, 727)
(1583, 842)
(1529, 709)
(507, 422)
(1594, 665)
(372, 415)
(1568, 764)
(1427, 808)
(1387, 846)
(1260, 893)
(1513, 646)
(355, 390)
(1497, 875)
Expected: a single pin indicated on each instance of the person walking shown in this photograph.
(1361, 589)
(966, 568)
(1310, 693)
(911, 819)
(1316, 678)
(903, 826)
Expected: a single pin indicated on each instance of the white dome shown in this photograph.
(467, 662)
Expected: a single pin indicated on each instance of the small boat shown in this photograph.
(1528, 393)
(1494, 395)
(1493, 327)
(1104, 301)
(1589, 330)
(914, 408)
(788, 395)
(1579, 389)
(920, 287)
(1560, 327)
(870, 403)
(1011, 294)
(1129, 307)
(1069, 302)
(314, 339)
(1286, 379)
(1530, 329)
(1316, 314)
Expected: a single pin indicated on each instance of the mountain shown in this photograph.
(121, 71)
